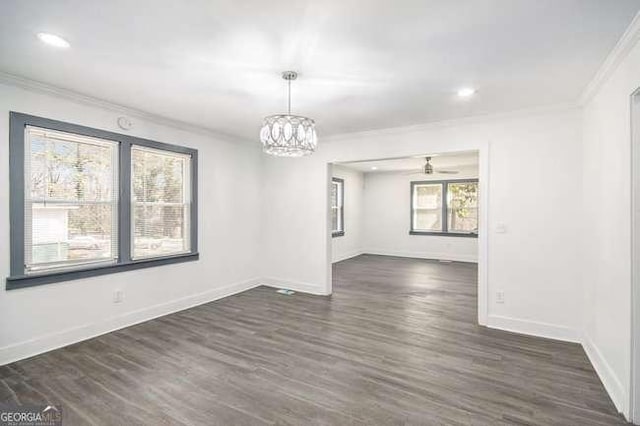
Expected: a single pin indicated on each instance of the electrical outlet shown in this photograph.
(118, 296)
(500, 296)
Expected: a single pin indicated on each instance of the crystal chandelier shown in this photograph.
(286, 135)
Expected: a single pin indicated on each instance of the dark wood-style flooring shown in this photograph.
(397, 343)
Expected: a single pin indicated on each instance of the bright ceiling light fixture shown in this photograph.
(286, 135)
(53, 40)
(465, 92)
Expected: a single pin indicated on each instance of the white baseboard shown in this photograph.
(424, 255)
(296, 286)
(41, 344)
(534, 328)
(609, 379)
(347, 256)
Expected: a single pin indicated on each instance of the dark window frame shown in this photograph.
(18, 278)
(339, 232)
(445, 189)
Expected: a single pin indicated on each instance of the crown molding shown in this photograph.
(454, 122)
(41, 87)
(620, 51)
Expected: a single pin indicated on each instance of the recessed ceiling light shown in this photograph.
(374, 168)
(465, 92)
(53, 40)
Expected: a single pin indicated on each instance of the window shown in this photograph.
(71, 200)
(462, 208)
(88, 202)
(444, 208)
(337, 207)
(161, 202)
(427, 207)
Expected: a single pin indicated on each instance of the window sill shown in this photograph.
(24, 281)
(337, 234)
(444, 234)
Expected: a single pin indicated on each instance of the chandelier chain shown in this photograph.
(289, 103)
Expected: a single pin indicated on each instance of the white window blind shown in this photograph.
(161, 202)
(427, 207)
(71, 200)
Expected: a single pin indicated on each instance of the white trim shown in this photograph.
(634, 381)
(348, 256)
(49, 342)
(483, 204)
(294, 285)
(534, 328)
(41, 87)
(483, 233)
(621, 50)
(607, 375)
(454, 122)
(423, 255)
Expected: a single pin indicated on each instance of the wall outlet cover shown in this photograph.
(118, 296)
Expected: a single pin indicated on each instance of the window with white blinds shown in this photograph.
(71, 200)
(87, 202)
(161, 202)
(427, 207)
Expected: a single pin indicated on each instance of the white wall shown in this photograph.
(387, 201)
(40, 318)
(534, 190)
(606, 226)
(350, 244)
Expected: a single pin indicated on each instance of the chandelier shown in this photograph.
(286, 135)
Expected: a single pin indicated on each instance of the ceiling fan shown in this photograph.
(428, 169)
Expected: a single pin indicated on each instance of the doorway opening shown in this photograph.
(428, 206)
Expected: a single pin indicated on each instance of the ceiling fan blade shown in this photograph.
(420, 172)
(447, 172)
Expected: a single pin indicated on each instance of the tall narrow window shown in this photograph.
(161, 202)
(427, 207)
(447, 207)
(71, 200)
(337, 207)
(462, 207)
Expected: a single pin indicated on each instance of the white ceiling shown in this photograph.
(363, 64)
(457, 161)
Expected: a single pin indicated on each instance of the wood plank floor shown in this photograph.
(395, 344)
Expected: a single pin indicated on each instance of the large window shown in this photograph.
(89, 202)
(337, 207)
(444, 208)
(161, 201)
(71, 200)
